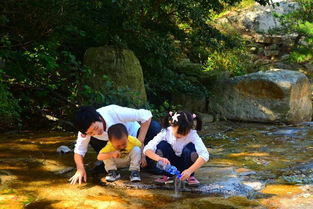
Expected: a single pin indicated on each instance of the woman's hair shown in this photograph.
(184, 120)
(84, 117)
(117, 131)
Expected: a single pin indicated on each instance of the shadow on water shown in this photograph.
(44, 204)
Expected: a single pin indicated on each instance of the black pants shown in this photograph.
(181, 163)
(153, 130)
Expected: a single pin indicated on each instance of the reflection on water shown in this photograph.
(33, 175)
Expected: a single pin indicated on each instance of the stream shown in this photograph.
(252, 165)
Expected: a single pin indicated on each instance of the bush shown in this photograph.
(9, 109)
(301, 23)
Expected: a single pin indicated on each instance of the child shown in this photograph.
(179, 144)
(121, 151)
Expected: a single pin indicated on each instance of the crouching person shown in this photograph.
(121, 151)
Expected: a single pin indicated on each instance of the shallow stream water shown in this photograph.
(273, 161)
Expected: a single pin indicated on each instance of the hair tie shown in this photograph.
(194, 116)
(175, 117)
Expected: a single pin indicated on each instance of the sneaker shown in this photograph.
(164, 180)
(192, 181)
(113, 175)
(134, 176)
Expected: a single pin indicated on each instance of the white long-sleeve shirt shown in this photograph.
(179, 143)
(113, 114)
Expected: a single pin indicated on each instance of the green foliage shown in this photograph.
(9, 109)
(42, 43)
(234, 61)
(301, 23)
(304, 52)
(161, 111)
(121, 95)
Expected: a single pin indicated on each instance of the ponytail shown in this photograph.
(197, 122)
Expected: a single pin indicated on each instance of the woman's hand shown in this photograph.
(185, 175)
(143, 161)
(78, 176)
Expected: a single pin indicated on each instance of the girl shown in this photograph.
(179, 144)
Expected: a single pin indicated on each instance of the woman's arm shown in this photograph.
(80, 172)
(143, 131)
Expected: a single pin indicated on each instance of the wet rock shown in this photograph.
(64, 171)
(207, 119)
(291, 132)
(6, 177)
(248, 173)
(301, 174)
(221, 181)
(255, 185)
(216, 203)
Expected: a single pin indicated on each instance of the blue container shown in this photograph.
(168, 168)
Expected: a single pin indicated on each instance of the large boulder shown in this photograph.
(260, 18)
(120, 65)
(272, 96)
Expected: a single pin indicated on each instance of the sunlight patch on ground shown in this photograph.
(254, 154)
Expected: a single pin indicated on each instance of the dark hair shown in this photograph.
(117, 131)
(185, 121)
(84, 117)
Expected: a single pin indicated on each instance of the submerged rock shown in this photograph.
(301, 174)
(218, 181)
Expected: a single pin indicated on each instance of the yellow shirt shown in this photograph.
(132, 142)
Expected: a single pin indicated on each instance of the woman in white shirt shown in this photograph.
(93, 124)
(179, 144)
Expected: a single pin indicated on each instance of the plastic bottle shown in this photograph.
(168, 168)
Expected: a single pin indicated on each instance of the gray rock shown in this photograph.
(272, 96)
(261, 19)
(270, 53)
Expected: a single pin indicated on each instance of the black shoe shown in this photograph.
(113, 175)
(134, 176)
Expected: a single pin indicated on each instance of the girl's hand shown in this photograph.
(116, 154)
(164, 160)
(185, 175)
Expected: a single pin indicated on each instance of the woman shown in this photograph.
(93, 124)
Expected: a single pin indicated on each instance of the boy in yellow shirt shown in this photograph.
(121, 151)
